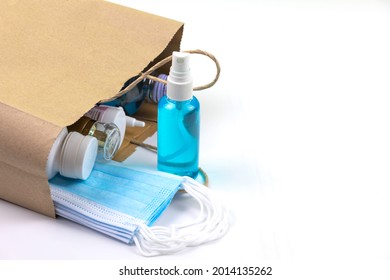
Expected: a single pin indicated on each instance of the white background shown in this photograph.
(294, 136)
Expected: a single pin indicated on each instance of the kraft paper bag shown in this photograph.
(57, 60)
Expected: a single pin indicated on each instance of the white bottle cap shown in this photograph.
(179, 82)
(53, 160)
(131, 122)
(78, 155)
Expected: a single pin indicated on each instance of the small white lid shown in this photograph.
(132, 122)
(78, 156)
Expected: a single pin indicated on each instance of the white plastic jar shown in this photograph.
(73, 155)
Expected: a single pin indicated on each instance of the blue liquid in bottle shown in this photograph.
(178, 126)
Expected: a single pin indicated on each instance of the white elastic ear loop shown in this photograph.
(211, 224)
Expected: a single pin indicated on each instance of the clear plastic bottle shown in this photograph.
(178, 122)
(116, 115)
(107, 134)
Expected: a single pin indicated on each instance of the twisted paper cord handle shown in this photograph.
(162, 62)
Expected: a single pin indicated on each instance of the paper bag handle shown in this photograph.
(147, 74)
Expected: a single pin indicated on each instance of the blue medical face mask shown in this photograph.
(123, 203)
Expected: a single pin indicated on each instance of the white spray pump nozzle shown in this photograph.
(131, 122)
(181, 62)
(179, 82)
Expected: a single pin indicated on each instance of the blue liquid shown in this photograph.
(178, 125)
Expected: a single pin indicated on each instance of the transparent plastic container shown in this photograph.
(115, 115)
(107, 134)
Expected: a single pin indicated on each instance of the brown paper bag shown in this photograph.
(58, 59)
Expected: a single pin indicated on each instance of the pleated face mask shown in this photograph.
(124, 203)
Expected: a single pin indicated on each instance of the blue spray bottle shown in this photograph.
(178, 121)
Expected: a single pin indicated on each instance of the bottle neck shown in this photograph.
(179, 101)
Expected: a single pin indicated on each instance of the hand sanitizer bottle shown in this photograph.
(178, 122)
(148, 90)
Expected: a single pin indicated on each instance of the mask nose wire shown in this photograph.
(212, 223)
